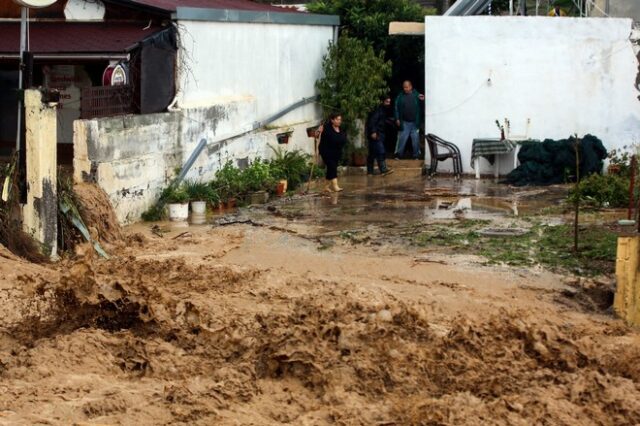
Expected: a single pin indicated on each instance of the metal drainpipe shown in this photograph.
(23, 46)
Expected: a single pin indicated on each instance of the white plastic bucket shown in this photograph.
(198, 219)
(199, 207)
(178, 212)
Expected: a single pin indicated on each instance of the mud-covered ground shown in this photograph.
(265, 319)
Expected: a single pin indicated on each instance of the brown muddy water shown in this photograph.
(236, 325)
(379, 201)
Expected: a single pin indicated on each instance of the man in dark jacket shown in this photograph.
(407, 112)
(376, 129)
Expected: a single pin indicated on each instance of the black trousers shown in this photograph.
(332, 166)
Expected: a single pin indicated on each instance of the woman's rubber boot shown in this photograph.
(334, 185)
(327, 186)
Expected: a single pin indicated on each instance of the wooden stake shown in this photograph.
(632, 184)
(577, 195)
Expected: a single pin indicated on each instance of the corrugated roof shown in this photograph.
(172, 5)
(76, 37)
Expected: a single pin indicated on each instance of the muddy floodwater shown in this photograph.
(317, 309)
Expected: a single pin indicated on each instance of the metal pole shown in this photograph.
(23, 47)
(510, 7)
(576, 220)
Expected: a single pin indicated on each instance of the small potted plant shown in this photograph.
(312, 131)
(177, 200)
(283, 138)
(227, 185)
(359, 157)
(256, 180)
(214, 198)
(199, 194)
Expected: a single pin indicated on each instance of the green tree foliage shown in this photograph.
(354, 79)
(368, 20)
(603, 191)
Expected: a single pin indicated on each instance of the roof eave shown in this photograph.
(142, 7)
(247, 16)
(69, 55)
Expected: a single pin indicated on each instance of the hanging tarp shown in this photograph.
(157, 68)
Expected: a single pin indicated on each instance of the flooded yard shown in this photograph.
(381, 305)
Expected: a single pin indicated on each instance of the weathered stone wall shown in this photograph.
(134, 157)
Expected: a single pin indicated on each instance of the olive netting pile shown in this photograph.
(554, 161)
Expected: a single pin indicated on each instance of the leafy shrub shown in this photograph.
(178, 195)
(603, 190)
(294, 166)
(257, 177)
(154, 214)
(621, 161)
(198, 191)
(228, 182)
(171, 194)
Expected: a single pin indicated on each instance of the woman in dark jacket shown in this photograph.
(332, 142)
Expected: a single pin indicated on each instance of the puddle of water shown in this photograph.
(389, 201)
(379, 201)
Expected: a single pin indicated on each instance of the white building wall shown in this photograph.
(566, 75)
(231, 76)
(276, 64)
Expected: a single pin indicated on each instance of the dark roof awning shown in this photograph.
(77, 39)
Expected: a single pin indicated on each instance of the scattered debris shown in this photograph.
(446, 193)
(183, 235)
(419, 260)
(503, 232)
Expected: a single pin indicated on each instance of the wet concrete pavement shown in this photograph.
(379, 201)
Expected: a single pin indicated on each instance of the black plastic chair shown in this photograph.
(441, 150)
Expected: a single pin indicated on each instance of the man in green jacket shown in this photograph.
(407, 112)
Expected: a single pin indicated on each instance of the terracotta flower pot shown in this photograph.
(359, 160)
(281, 189)
(311, 131)
(283, 138)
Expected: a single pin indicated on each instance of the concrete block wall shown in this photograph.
(133, 158)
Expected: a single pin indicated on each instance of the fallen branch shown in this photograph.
(418, 260)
